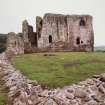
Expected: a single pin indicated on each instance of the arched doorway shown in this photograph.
(78, 40)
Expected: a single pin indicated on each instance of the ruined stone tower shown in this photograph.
(15, 44)
(29, 37)
(57, 32)
(65, 32)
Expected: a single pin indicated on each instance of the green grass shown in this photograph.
(3, 91)
(2, 100)
(64, 68)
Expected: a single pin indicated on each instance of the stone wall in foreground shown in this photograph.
(23, 91)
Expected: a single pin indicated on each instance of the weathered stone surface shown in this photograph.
(50, 102)
(23, 91)
(79, 92)
(29, 37)
(92, 103)
(102, 77)
(66, 32)
(15, 44)
(39, 23)
(54, 32)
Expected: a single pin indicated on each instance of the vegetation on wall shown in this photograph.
(3, 38)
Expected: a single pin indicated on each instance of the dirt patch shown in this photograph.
(77, 63)
(49, 55)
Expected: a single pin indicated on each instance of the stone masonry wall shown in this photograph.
(23, 91)
(39, 23)
(67, 32)
(55, 32)
(15, 44)
(29, 37)
(81, 27)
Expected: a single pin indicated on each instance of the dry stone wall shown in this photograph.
(23, 91)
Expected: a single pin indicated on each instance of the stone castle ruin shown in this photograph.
(57, 32)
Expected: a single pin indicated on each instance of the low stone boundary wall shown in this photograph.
(23, 91)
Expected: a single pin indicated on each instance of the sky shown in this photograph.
(13, 12)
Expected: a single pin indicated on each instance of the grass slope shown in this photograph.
(64, 68)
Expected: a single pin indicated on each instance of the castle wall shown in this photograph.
(59, 32)
(83, 30)
(15, 44)
(55, 32)
(54, 26)
(39, 23)
(68, 32)
(29, 37)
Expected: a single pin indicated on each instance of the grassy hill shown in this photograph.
(60, 69)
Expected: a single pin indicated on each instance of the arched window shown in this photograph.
(78, 40)
(82, 22)
(50, 39)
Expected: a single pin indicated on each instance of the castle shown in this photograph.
(57, 32)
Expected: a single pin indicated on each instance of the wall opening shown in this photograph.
(50, 39)
(78, 40)
(41, 22)
(82, 22)
(82, 42)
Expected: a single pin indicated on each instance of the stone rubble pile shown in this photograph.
(23, 91)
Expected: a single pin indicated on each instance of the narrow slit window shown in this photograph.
(50, 39)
